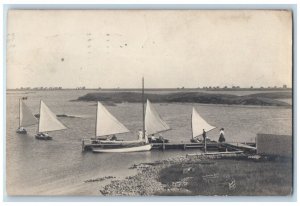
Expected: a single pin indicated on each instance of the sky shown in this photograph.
(179, 48)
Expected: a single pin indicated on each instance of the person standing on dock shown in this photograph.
(204, 135)
(222, 137)
(204, 139)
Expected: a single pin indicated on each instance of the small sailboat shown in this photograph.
(47, 122)
(198, 124)
(154, 124)
(26, 118)
(113, 126)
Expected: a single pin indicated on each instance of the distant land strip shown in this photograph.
(263, 99)
(183, 89)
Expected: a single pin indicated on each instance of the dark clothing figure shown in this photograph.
(204, 135)
(222, 137)
(113, 137)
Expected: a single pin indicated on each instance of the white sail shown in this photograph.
(26, 116)
(198, 124)
(48, 121)
(153, 122)
(107, 124)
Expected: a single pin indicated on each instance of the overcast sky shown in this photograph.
(112, 49)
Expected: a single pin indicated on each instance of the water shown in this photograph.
(58, 167)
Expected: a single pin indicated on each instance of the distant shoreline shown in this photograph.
(159, 89)
(263, 99)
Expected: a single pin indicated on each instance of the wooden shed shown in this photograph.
(272, 144)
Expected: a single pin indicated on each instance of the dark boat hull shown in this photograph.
(40, 137)
(21, 131)
(157, 140)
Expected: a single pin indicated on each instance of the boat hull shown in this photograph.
(21, 131)
(140, 148)
(40, 137)
(157, 140)
(119, 142)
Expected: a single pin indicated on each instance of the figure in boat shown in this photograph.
(21, 130)
(43, 135)
(222, 136)
(26, 118)
(47, 122)
(159, 139)
(114, 138)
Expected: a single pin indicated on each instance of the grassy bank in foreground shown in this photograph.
(233, 176)
(264, 99)
(230, 176)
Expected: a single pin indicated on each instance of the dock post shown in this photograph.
(164, 147)
(82, 145)
(256, 144)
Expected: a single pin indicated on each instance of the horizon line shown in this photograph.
(137, 88)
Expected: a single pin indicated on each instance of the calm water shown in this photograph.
(58, 167)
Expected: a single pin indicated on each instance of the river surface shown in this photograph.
(59, 167)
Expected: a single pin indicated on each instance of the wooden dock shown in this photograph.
(183, 145)
(87, 144)
(243, 146)
(216, 153)
(211, 146)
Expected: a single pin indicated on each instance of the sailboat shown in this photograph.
(47, 122)
(26, 118)
(198, 124)
(154, 124)
(107, 125)
(110, 125)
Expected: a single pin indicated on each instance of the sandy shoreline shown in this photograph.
(145, 182)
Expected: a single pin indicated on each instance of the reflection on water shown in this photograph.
(59, 167)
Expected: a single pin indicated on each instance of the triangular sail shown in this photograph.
(107, 124)
(48, 121)
(198, 124)
(26, 116)
(153, 122)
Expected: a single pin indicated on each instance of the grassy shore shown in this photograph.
(265, 99)
(233, 176)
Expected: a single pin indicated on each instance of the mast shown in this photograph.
(19, 112)
(38, 127)
(192, 125)
(96, 120)
(143, 108)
